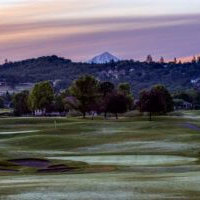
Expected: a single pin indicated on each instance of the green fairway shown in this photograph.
(82, 159)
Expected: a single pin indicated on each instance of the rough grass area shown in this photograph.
(129, 158)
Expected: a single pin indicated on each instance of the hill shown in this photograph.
(139, 74)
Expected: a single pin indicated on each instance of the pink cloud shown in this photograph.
(130, 37)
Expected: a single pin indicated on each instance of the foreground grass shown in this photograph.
(129, 158)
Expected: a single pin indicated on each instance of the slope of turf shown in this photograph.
(129, 158)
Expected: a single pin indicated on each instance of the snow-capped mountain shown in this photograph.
(104, 58)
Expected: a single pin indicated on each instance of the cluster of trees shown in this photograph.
(194, 60)
(191, 96)
(5, 100)
(93, 95)
(88, 95)
(41, 98)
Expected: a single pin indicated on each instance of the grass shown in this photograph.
(129, 158)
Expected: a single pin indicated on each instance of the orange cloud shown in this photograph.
(77, 28)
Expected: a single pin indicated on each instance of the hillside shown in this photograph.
(139, 74)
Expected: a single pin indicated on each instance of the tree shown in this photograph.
(1, 102)
(162, 61)
(6, 61)
(8, 97)
(86, 91)
(175, 60)
(58, 104)
(117, 103)
(192, 96)
(124, 88)
(41, 97)
(149, 59)
(198, 59)
(194, 60)
(157, 100)
(183, 95)
(169, 105)
(20, 103)
(106, 88)
(150, 102)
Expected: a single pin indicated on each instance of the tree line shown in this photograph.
(88, 95)
(174, 75)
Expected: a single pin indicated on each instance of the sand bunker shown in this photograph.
(56, 168)
(31, 162)
(8, 170)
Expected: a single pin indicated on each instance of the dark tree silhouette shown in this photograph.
(149, 59)
(157, 100)
(117, 103)
(162, 60)
(20, 103)
(106, 88)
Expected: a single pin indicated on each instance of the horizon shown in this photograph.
(188, 59)
(128, 29)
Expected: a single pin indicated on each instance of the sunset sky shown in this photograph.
(80, 29)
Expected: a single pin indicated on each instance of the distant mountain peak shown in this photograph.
(103, 58)
(107, 54)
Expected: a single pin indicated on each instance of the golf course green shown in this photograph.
(71, 158)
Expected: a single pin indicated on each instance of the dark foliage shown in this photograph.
(41, 96)
(191, 96)
(174, 76)
(157, 100)
(20, 103)
(106, 88)
(85, 89)
(117, 103)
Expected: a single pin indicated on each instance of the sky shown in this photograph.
(81, 29)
